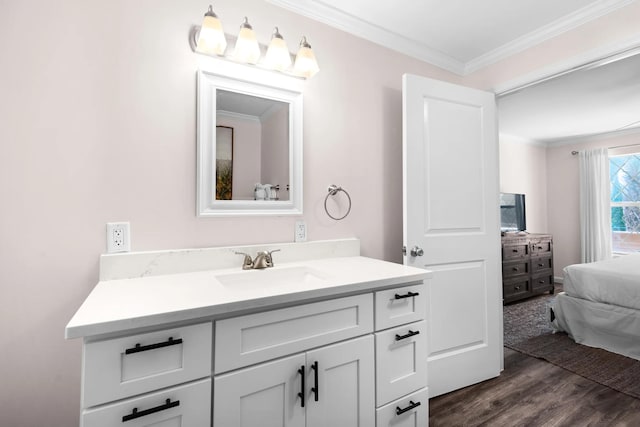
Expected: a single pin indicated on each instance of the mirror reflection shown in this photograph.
(252, 149)
(249, 143)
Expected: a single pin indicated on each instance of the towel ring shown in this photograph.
(333, 190)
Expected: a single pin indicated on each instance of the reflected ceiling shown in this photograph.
(586, 102)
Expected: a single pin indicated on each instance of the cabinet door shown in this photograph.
(261, 396)
(344, 383)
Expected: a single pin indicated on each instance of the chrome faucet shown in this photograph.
(263, 260)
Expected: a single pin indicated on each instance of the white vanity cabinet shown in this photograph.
(320, 386)
(341, 384)
(402, 397)
(346, 349)
(160, 368)
(329, 386)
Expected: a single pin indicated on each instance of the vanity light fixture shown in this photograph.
(247, 48)
(211, 39)
(278, 56)
(306, 64)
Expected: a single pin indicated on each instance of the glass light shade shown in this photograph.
(306, 64)
(247, 48)
(278, 56)
(211, 39)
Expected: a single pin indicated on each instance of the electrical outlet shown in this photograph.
(300, 232)
(118, 237)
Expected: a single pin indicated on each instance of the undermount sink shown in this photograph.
(275, 276)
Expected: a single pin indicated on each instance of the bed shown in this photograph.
(600, 305)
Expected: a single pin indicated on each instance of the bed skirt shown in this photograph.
(611, 327)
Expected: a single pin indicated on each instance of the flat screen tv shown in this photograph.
(512, 212)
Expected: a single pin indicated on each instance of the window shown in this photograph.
(624, 172)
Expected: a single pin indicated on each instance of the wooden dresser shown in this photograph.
(527, 265)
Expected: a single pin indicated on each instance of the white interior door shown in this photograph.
(451, 214)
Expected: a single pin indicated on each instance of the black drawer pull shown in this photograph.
(137, 414)
(515, 269)
(407, 295)
(138, 348)
(408, 335)
(540, 265)
(411, 406)
(302, 388)
(517, 288)
(514, 250)
(315, 389)
(541, 282)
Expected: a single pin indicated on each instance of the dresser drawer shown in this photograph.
(398, 306)
(401, 361)
(542, 282)
(515, 251)
(410, 411)
(245, 340)
(515, 268)
(515, 288)
(540, 264)
(124, 367)
(541, 247)
(183, 406)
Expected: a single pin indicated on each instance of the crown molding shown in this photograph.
(351, 24)
(356, 26)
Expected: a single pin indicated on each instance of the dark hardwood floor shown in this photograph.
(532, 392)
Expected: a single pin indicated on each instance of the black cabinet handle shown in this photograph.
(407, 295)
(137, 414)
(411, 406)
(408, 335)
(138, 348)
(517, 288)
(302, 387)
(516, 269)
(315, 389)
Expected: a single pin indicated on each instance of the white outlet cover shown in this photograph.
(300, 231)
(118, 237)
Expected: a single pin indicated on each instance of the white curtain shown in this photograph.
(595, 209)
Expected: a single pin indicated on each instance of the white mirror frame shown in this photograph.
(208, 83)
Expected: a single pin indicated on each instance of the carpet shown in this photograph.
(527, 330)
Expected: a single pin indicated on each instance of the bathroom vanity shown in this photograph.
(324, 338)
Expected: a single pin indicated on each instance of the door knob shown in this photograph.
(417, 251)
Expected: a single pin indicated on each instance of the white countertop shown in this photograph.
(122, 304)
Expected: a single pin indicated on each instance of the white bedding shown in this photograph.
(598, 325)
(615, 281)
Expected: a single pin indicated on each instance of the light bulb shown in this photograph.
(247, 49)
(306, 64)
(278, 56)
(211, 39)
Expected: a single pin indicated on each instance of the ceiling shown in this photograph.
(463, 36)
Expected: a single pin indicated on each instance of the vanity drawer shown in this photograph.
(124, 367)
(246, 340)
(410, 411)
(398, 306)
(182, 406)
(401, 361)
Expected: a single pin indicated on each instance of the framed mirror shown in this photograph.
(249, 148)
